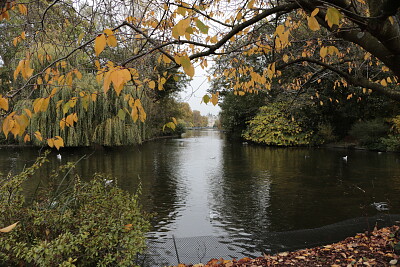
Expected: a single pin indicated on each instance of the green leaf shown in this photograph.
(66, 107)
(203, 28)
(206, 99)
(121, 114)
(185, 62)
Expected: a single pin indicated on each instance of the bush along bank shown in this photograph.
(69, 222)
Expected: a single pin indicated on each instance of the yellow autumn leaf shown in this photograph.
(189, 70)
(315, 12)
(28, 112)
(152, 84)
(26, 70)
(134, 114)
(285, 58)
(214, 99)
(142, 114)
(8, 228)
(119, 78)
(38, 136)
(93, 96)
(22, 121)
(313, 23)
(78, 74)
(174, 120)
(27, 138)
(45, 104)
(37, 104)
(112, 41)
(107, 81)
(333, 50)
(70, 121)
(23, 9)
(323, 52)
(180, 28)
(332, 16)
(8, 124)
(62, 123)
(99, 44)
(15, 41)
(58, 142)
(4, 103)
(50, 142)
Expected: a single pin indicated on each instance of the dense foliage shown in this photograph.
(70, 222)
(274, 126)
(148, 47)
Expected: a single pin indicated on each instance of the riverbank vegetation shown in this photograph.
(106, 72)
(69, 223)
(259, 102)
(65, 66)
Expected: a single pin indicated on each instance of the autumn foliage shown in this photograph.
(337, 40)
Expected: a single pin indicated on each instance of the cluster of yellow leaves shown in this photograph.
(184, 28)
(187, 66)
(16, 124)
(160, 82)
(68, 121)
(19, 38)
(56, 142)
(213, 98)
(332, 17)
(106, 38)
(116, 75)
(11, 6)
(23, 68)
(172, 124)
(41, 104)
(328, 50)
(281, 37)
(137, 109)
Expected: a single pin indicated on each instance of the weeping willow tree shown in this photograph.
(103, 118)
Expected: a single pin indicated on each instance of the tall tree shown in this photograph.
(185, 33)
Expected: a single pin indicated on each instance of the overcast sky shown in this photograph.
(195, 92)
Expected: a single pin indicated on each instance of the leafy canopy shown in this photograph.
(179, 34)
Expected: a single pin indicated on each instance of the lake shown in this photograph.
(241, 199)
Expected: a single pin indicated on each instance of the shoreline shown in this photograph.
(376, 248)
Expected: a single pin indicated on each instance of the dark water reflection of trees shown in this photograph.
(253, 190)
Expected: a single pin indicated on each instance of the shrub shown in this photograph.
(68, 224)
(180, 129)
(369, 133)
(273, 126)
(392, 141)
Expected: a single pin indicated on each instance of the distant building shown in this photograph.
(211, 119)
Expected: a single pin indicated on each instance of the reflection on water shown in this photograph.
(202, 185)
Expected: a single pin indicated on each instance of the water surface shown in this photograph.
(203, 185)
